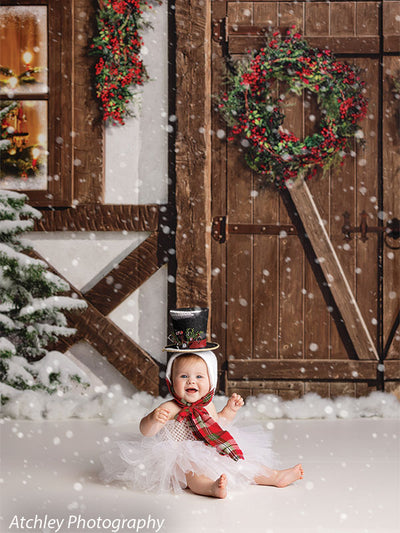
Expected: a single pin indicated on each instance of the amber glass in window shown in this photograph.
(24, 84)
(23, 50)
(24, 155)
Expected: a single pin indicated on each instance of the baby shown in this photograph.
(185, 446)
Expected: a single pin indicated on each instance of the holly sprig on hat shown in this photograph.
(184, 338)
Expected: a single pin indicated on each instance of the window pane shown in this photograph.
(23, 145)
(23, 50)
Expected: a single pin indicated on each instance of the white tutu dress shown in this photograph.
(159, 463)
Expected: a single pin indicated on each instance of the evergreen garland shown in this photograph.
(119, 68)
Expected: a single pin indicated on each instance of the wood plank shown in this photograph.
(317, 19)
(264, 384)
(266, 271)
(391, 43)
(342, 19)
(391, 201)
(318, 388)
(343, 198)
(333, 270)
(367, 18)
(63, 187)
(285, 389)
(240, 13)
(367, 187)
(289, 390)
(110, 341)
(391, 17)
(291, 257)
(193, 152)
(316, 315)
(245, 392)
(342, 389)
(126, 277)
(265, 207)
(296, 1)
(266, 295)
(265, 14)
(365, 388)
(345, 46)
(239, 256)
(291, 14)
(318, 369)
(100, 218)
(88, 124)
(219, 158)
(291, 299)
(239, 297)
(60, 168)
(393, 387)
(259, 228)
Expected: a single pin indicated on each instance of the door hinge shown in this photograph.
(219, 33)
(221, 229)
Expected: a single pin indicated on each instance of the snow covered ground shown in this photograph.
(351, 484)
(50, 448)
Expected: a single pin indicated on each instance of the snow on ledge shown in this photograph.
(112, 406)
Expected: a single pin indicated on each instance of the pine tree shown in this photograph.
(5, 109)
(31, 312)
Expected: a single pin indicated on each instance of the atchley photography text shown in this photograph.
(77, 522)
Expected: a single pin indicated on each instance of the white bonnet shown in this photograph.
(209, 359)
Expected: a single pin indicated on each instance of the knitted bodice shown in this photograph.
(178, 431)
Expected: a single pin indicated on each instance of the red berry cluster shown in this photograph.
(119, 68)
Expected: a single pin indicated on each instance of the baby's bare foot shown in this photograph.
(288, 476)
(219, 487)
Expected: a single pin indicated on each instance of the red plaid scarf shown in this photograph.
(204, 427)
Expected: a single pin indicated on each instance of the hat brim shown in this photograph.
(173, 348)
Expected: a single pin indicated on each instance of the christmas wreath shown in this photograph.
(119, 67)
(255, 113)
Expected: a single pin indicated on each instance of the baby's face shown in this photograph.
(190, 379)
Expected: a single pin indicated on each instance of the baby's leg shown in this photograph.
(279, 478)
(207, 487)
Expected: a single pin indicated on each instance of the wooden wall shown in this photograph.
(269, 310)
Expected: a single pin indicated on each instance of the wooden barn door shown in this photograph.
(281, 327)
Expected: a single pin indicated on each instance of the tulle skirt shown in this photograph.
(160, 463)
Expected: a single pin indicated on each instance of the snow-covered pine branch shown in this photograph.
(22, 259)
(6, 346)
(4, 112)
(4, 144)
(14, 227)
(46, 306)
(31, 310)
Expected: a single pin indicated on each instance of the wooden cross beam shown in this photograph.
(332, 269)
(126, 277)
(119, 349)
(99, 217)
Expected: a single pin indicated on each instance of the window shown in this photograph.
(36, 100)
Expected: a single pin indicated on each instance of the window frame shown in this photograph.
(60, 41)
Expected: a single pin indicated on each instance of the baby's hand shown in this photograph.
(161, 415)
(235, 402)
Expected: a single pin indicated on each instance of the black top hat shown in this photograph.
(189, 330)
